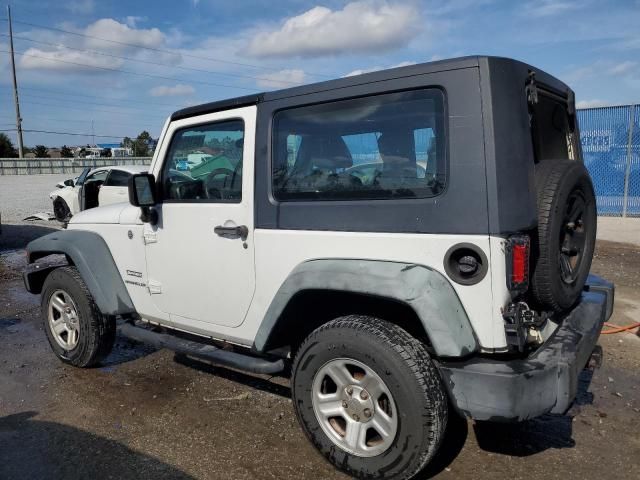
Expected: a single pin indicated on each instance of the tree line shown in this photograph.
(140, 147)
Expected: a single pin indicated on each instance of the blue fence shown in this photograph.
(610, 139)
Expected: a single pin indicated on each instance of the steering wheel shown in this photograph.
(213, 190)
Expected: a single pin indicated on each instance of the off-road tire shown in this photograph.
(97, 331)
(61, 210)
(404, 365)
(556, 181)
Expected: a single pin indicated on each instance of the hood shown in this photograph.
(118, 213)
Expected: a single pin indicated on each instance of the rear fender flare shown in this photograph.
(424, 289)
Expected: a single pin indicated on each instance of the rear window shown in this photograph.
(378, 147)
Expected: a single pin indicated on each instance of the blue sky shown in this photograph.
(70, 75)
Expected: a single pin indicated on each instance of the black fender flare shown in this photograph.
(424, 289)
(90, 254)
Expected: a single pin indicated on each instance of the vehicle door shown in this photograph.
(114, 189)
(200, 254)
(90, 189)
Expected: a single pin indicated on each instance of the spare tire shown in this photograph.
(563, 248)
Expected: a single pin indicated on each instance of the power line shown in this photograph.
(119, 70)
(31, 102)
(30, 95)
(58, 92)
(161, 50)
(75, 134)
(199, 70)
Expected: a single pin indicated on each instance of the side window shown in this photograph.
(99, 176)
(117, 178)
(377, 147)
(204, 163)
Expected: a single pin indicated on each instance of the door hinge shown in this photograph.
(150, 237)
(154, 287)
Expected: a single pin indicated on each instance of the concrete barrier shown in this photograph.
(37, 166)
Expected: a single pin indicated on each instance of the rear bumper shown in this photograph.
(546, 381)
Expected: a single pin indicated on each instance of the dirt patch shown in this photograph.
(146, 414)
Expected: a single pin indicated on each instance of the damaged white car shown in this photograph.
(93, 188)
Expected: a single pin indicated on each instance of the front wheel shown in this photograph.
(77, 332)
(369, 398)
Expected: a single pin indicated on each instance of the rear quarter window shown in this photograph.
(388, 146)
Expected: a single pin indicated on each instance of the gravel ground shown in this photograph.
(147, 414)
(23, 195)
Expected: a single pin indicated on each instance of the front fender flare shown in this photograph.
(89, 253)
(425, 290)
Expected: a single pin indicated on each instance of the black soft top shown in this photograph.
(519, 70)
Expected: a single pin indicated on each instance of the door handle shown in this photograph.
(241, 231)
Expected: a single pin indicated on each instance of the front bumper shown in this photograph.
(546, 381)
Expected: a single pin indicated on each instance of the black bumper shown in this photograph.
(544, 382)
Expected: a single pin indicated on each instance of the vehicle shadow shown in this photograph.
(259, 383)
(38, 449)
(125, 350)
(513, 439)
(537, 435)
(14, 237)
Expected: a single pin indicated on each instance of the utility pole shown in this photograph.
(15, 87)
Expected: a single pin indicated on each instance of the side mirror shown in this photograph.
(142, 187)
(69, 182)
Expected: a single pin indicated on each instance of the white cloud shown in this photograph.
(80, 6)
(133, 20)
(375, 69)
(361, 26)
(281, 79)
(547, 8)
(591, 103)
(623, 68)
(62, 59)
(175, 91)
(110, 29)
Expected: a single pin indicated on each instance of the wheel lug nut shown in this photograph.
(356, 417)
(364, 395)
(367, 412)
(345, 404)
(349, 390)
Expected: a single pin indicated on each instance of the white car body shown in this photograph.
(108, 194)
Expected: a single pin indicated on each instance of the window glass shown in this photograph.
(204, 163)
(383, 146)
(98, 176)
(117, 178)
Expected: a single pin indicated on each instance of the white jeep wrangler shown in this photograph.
(408, 244)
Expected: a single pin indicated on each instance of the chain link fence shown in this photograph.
(37, 166)
(610, 138)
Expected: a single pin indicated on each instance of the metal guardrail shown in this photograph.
(37, 166)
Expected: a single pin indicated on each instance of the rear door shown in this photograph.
(114, 189)
(200, 254)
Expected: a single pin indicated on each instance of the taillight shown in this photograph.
(518, 248)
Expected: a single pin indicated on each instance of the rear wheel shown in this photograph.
(77, 332)
(369, 398)
(564, 246)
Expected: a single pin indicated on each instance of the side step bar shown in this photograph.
(201, 351)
